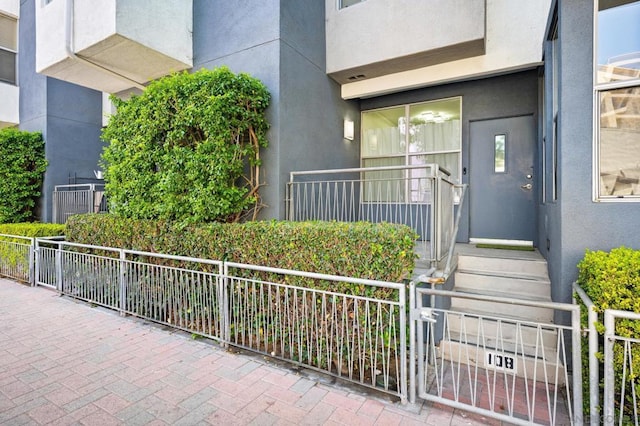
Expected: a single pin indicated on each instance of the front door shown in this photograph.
(501, 179)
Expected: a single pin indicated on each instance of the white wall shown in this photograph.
(515, 32)
(9, 106)
(10, 7)
(377, 30)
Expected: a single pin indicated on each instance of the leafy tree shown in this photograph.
(22, 165)
(188, 148)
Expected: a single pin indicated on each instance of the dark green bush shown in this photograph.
(362, 250)
(22, 165)
(188, 148)
(612, 281)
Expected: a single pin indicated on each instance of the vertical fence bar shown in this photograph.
(122, 283)
(576, 348)
(58, 263)
(609, 410)
(32, 262)
(223, 303)
(412, 343)
(403, 344)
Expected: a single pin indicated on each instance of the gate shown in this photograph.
(504, 368)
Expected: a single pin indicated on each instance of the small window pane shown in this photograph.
(499, 144)
(8, 33)
(619, 150)
(618, 44)
(7, 67)
(383, 132)
(347, 3)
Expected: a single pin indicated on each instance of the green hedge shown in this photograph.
(612, 281)
(22, 167)
(32, 229)
(363, 250)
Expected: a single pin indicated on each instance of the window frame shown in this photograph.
(599, 89)
(407, 155)
(14, 52)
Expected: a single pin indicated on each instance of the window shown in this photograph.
(416, 134)
(617, 98)
(8, 49)
(346, 3)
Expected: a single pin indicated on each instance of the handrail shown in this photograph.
(368, 169)
(456, 226)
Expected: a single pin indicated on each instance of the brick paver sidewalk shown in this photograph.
(63, 362)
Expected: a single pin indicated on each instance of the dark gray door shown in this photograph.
(501, 179)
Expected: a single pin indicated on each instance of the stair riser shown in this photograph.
(474, 283)
(502, 266)
(470, 328)
(525, 313)
(543, 371)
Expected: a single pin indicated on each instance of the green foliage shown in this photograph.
(32, 230)
(187, 149)
(362, 250)
(22, 165)
(612, 281)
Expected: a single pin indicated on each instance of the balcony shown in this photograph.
(374, 38)
(113, 45)
(9, 107)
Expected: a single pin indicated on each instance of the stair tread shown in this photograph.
(481, 313)
(521, 296)
(541, 279)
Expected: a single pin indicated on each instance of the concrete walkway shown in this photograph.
(63, 362)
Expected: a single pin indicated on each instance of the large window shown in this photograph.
(416, 134)
(8, 49)
(617, 90)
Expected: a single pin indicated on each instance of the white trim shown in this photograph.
(496, 241)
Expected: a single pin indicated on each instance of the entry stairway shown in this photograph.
(497, 335)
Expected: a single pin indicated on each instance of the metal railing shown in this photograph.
(422, 197)
(504, 368)
(305, 318)
(16, 257)
(621, 399)
(77, 199)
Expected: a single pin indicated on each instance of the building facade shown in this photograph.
(534, 105)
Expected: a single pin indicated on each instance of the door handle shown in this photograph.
(526, 186)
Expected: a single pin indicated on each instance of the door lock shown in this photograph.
(529, 177)
(526, 186)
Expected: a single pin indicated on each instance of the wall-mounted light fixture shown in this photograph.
(348, 129)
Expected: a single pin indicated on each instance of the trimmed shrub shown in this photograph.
(188, 149)
(33, 230)
(612, 281)
(22, 165)
(363, 250)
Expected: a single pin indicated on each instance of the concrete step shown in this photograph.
(496, 309)
(523, 287)
(503, 266)
(506, 334)
(542, 370)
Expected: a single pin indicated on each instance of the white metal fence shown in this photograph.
(305, 318)
(17, 257)
(422, 197)
(77, 199)
(504, 368)
(612, 373)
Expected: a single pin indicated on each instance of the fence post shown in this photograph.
(59, 268)
(122, 284)
(412, 343)
(576, 352)
(33, 259)
(225, 319)
(608, 410)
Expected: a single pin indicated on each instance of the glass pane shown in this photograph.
(499, 143)
(383, 132)
(7, 66)
(347, 3)
(8, 33)
(619, 142)
(435, 126)
(618, 42)
(384, 186)
(450, 162)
